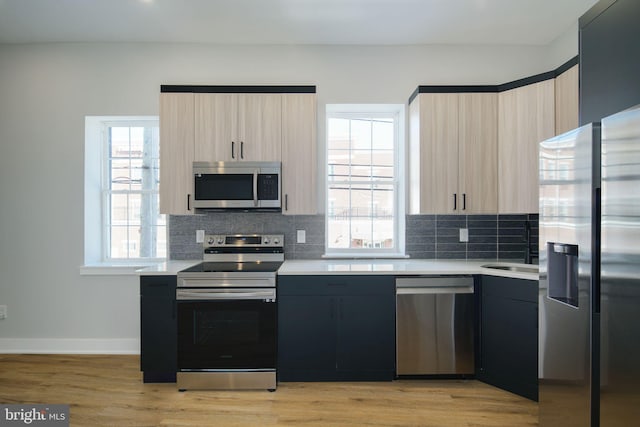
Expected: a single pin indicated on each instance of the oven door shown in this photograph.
(226, 329)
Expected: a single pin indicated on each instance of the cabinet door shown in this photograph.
(509, 359)
(158, 328)
(509, 335)
(566, 97)
(415, 158)
(216, 121)
(478, 153)
(260, 127)
(526, 116)
(438, 153)
(306, 337)
(336, 328)
(299, 160)
(176, 152)
(366, 337)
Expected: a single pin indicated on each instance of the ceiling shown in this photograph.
(360, 22)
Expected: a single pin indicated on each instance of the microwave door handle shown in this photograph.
(255, 188)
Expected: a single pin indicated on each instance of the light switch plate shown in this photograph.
(464, 234)
(301, 236)
(199, 236)
(3, 311)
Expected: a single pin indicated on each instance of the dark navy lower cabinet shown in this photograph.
(336, 328)
(158, 328)
(508, 356)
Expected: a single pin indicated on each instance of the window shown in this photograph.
(364, 205)
(121, 191)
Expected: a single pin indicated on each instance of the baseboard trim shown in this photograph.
(68, 346)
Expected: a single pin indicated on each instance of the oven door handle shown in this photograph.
(224, 294)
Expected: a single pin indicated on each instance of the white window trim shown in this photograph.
(94, 215)
(356, 110)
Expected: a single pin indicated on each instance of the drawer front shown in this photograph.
(505, 287)
(336, 285)
(158, 287)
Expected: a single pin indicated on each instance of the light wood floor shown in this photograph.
(108, 391)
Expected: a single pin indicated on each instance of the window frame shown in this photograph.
(350, 111)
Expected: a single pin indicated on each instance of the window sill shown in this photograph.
(113, 269)
(363, 256)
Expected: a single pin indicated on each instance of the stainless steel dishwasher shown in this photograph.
(434, 325)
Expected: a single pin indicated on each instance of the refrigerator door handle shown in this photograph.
(595, 250)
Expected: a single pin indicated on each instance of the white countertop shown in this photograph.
(364, 266)
(167, 268)
(399, 267)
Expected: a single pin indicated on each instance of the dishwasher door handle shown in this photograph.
(431, 290)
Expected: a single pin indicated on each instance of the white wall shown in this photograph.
(47, 90)
(565, 46)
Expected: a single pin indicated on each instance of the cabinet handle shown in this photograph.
(174, 307)
(188, 202)
(455, 201)
(233, 149)
(286, 202)
(242, 149)
(464, 201)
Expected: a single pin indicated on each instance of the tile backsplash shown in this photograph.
(499, 237)
(182, 231)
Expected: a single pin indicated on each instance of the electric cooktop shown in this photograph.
(230, 267)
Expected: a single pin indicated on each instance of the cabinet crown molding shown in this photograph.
(495, 88)
(236, 89)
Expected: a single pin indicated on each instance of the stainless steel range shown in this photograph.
(227, 318)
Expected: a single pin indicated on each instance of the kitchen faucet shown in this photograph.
(528, 253)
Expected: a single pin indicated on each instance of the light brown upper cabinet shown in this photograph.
(453, 153)
(176, 153)
(474, 149)
(237, 127)
(299, 159)
(478, 145)
(238, 123)
(566, 97)
(526, 116)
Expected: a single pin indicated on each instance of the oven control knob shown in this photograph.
(265, 241)
(220, 240)
(276, 241)
(210, 241)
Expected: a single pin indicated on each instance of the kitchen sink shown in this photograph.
(511, 267)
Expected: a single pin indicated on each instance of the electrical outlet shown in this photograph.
(3, 311)
(199, 236)
(301, 236)
(464, 234)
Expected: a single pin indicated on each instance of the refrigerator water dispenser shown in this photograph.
(562, 271)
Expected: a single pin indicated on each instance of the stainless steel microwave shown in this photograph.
(237, 185)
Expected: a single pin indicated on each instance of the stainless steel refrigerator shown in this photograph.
(589, 311)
